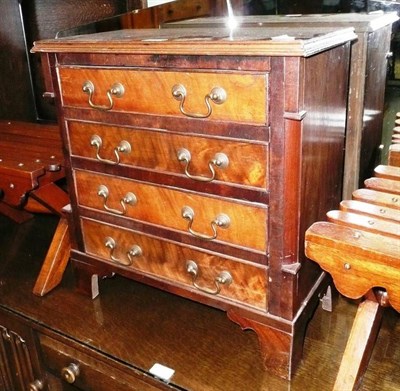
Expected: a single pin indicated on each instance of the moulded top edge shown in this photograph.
(271, 41)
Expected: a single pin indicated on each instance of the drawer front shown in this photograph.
(89, 371)
(208, 218)
(242, 98)
(200, 158)
(171, 261)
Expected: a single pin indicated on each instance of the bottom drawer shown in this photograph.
(89, 371)
(244, 282)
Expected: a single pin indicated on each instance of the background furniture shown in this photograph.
(31, 178)
(26, 21)
(31, 164)
(359, 247)
(368, 71)
(22, 22)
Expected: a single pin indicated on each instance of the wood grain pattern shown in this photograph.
(163, 206)
(248, 162)
(167, 260)
(150, 92)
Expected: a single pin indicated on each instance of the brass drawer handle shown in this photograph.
(36, 385)
(220, 160)
(135, 251)
(217, 95)
(129, 199)
(223, 278)
(123, 147)
(116, 90)
(222, 221)
(70, 373)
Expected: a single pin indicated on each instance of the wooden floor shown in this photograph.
(207, 351)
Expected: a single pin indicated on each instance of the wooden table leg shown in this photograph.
(359, 346)
(56, 260)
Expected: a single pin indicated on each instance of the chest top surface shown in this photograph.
(246, 41)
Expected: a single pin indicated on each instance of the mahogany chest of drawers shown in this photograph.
(196, 159)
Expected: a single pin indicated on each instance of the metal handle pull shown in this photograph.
(135, 251)
(116, 90)
(123, 147)
(70, 373)
(223, 278)
(129, 199)
(36, 385)
(220, 160)
(217, 95)
(222, 221)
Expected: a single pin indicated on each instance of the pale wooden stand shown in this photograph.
(360, 248)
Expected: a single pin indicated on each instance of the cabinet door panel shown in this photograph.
(19, 364)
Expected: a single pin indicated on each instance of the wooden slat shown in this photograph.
(377, 198)
(387, 172)
(386, 185)
(366, 223)
(368, 209)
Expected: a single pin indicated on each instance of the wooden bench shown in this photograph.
(31, 164)
(359, 246)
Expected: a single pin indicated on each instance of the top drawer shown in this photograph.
(217, 96)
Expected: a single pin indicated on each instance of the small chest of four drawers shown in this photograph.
(196, 165)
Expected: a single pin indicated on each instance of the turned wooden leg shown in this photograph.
(359, 346)
(55, 262)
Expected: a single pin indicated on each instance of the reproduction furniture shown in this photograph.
(367, 83)
(360, 247)
(197, 159)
